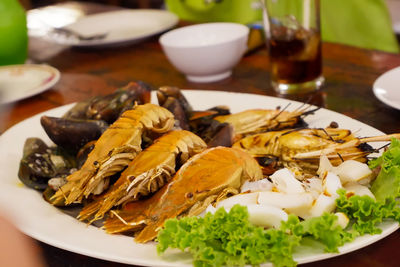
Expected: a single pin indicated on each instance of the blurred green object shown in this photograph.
(13, 33)
(241, 11)
(361, 23)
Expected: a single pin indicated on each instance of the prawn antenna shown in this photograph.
(330, 137)
(311, 111)
(382, 147)
(340, 156)
(302, 105)
(280, 112)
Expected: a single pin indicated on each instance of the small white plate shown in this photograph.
(387, 88)
(22, 81)
(121, 27)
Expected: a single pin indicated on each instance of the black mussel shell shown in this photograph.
(221, 110)
(173, 105)
(222, 136)
(78, 111)
(168, 91)
(34, 145)
(109, 107)
(72, 134)
(40, 163)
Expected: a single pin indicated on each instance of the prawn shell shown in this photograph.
(113, 151)
(205, 175)
(148, 172)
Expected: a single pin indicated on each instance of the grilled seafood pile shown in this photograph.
(113, 151)
(205, 178)
(148, 172)
(134, 164)
(87, 120)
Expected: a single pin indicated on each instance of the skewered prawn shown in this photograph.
(148, 172)
(254, 121)
(115, 148)
(302, 148)
(206, 177)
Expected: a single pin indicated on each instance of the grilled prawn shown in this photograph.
(148, 172)
(115, 148)
(302, 148)
(203, 179)
(262, 120)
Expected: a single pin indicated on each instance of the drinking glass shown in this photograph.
(292, 29)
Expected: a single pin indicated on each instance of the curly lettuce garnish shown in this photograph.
(387, 184)
(364, 212)
(229, 239)
(326, 230)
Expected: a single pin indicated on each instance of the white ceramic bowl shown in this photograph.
(206, 52)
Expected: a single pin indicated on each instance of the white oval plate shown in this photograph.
(46, 223)
(121, 26)
(22, 81)
(387, 88)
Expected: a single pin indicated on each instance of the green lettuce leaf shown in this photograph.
(326, 229)
(229, 239)
(387, 184)
(365, 213)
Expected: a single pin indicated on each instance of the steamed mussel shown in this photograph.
(201, 123)
(172, 99)
(213, 132)
(87, 120)
(72, 134)
(109, 107)
(40, 163)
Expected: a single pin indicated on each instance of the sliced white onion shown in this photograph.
(353, 171)
(242, 199)
(260, 185)
(321, 205)
(313, 186)
(330, 184)
(359, 190)
(285, 182)
(285, 201)
(266, 216)
(324, 165)
(298, 204)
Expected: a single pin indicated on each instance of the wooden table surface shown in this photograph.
(349, 72)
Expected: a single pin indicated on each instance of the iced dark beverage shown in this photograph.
(292, 29)
(295, 55)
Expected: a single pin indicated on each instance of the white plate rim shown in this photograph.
(45, 85)
(156, 14)
(108, 247)
(378, 88)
